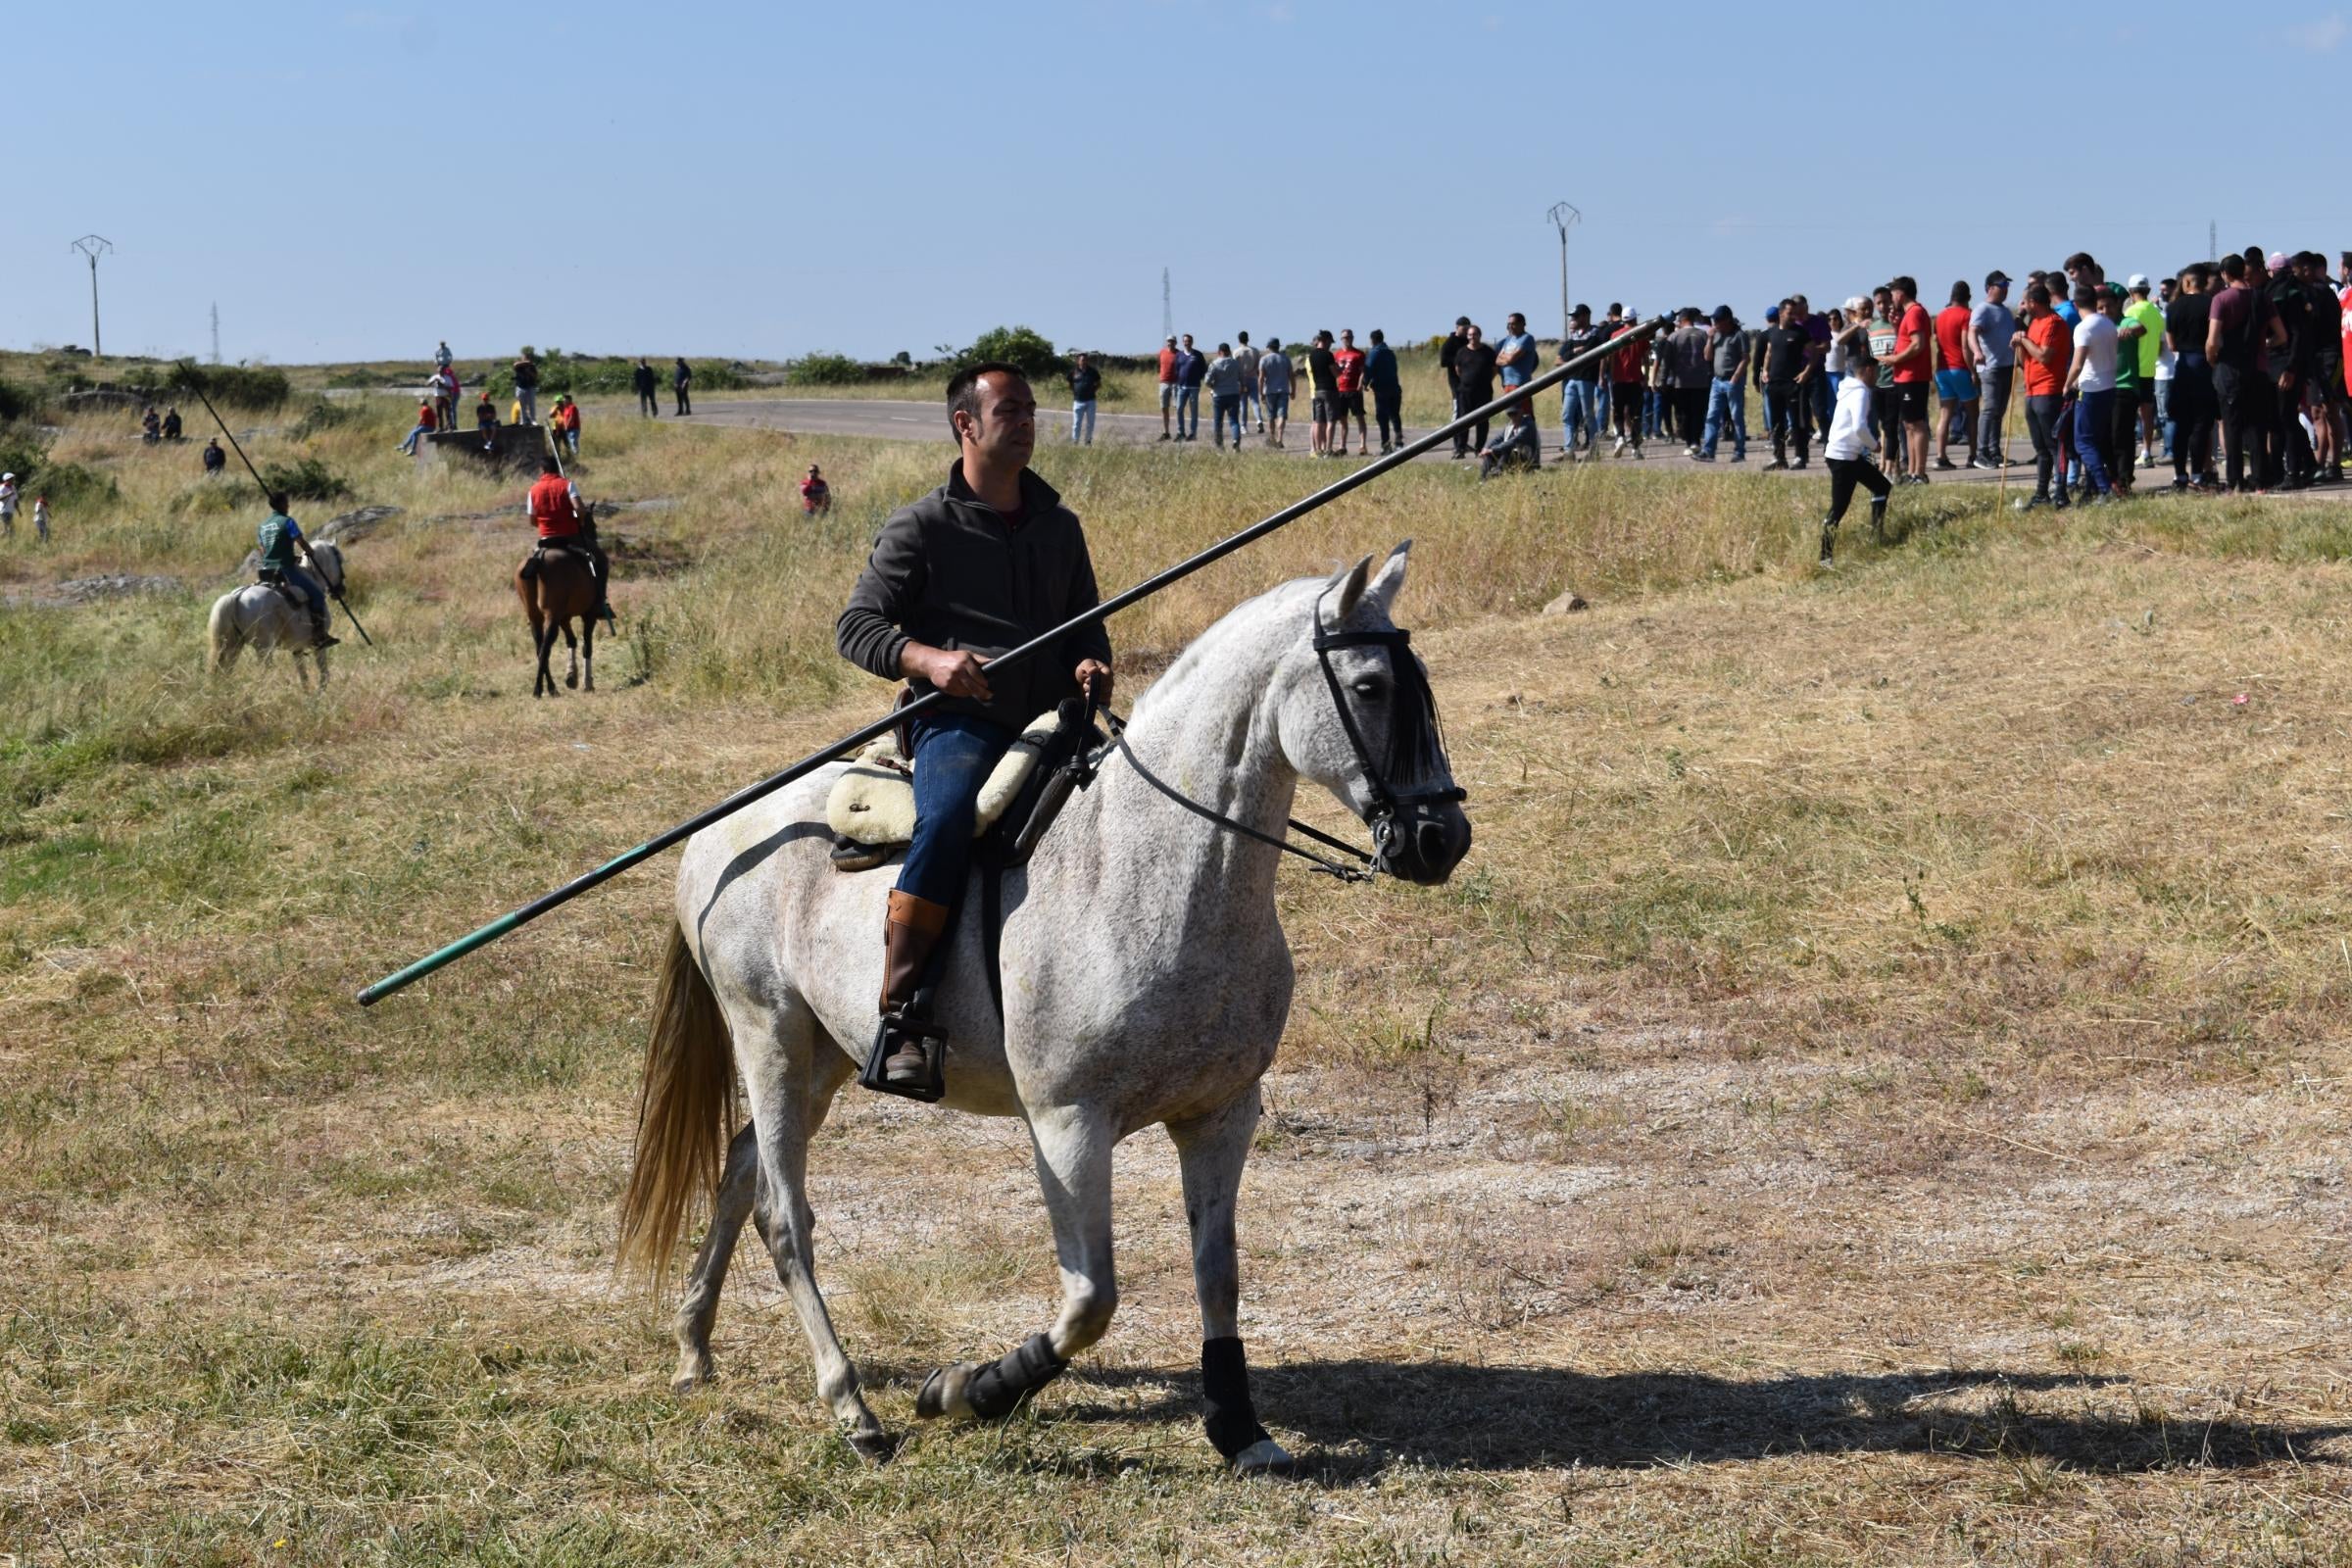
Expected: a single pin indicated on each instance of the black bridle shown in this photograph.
(1416, 750)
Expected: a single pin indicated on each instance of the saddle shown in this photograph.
(277, 582)
(529, 569)
(871, 809)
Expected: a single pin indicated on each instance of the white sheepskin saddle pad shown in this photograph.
(873, 802)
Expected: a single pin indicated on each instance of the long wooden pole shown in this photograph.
(1029, 650)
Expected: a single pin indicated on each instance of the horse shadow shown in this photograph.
(1363, 1417)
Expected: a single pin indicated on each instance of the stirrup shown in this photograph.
(900, 1028)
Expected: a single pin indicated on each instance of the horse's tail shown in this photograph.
(226, 639)
(685, 1113)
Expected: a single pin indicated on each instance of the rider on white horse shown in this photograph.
(283, 548)
(982, 564)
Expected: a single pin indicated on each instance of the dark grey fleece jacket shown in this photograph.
(949, 573)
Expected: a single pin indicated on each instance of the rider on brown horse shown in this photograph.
(983, 563)
(564, 523)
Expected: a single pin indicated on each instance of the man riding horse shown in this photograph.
(564, 523)
(283, 548)
(980, 565)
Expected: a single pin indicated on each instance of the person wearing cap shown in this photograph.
(1518, 445)
(1581, 417)
(817, 496)
(1323, 397)
(1167, 387)
(1727, 404)
(1955, 376)
(1990, 325)
(2141, 312)
(8, 505)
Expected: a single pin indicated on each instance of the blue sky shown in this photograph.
(352, 181)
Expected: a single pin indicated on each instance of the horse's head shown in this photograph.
(329, 563)
(1360, 719)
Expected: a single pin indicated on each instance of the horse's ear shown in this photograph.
(1381, 591)
(1345, 592)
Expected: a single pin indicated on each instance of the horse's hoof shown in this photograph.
(946, 1393)
(573, 680)
(1264, 1457)
(874, 1447)
(693, 1375)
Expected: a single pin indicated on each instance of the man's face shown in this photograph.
(1004, 430)
(1516, 323)
(1997, 293)
(1346, 337)
(1082, 362)
(1187, 342)
(1471, 335)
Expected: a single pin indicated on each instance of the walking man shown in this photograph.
(1625, 388)
(1167, 387)
(1223, 378)
(1085, 382)
(1991, 326)
(1254, 411)
(681, 383)
(1274, 389)
(1388, 392)
(983, 563)
(1727, 400)
(1192, 369)
(643, 379)
(1447, 352)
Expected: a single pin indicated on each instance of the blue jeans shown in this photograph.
(1253, 408)
(1727, 406)
(2166, 424)
(1652, 424)
(953, 755)
(1582, 408)
(1223, 408)
(410, 444)
(2094, 418)
(1082, 422)
(1188, 411)
(528, 397)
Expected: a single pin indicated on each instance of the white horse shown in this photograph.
(259, 616)
(1146, 980)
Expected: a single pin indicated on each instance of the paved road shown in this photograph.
(926, 421)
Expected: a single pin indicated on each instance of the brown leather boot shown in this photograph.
(912, 932)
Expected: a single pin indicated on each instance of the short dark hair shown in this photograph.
(1378, 336)
(1905, 282)
(2233, 265)
(279, 501)
(1960, 292)
(963, 388)
(550, 465)
(2038, 294)
(2081, 262)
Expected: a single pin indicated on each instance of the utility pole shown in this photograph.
(216, 331)
(1563, 215)
(1168, 309)
(93, 246)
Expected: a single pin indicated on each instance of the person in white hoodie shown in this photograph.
(1850, 445)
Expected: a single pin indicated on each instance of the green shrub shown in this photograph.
(304, 479)
(71, 485)
(824, 369)
(324, 414)
(210, 498)
(18, 403)
(1032, 351)
(243, 386)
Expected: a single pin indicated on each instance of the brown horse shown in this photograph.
(554, 593)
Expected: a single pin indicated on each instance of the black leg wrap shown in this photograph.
(1228, 1414)
(996, 1390)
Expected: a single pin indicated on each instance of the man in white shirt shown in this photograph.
(2091, 381)
(1254, 407)
(8, 505)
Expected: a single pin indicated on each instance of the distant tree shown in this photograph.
(1012, 345)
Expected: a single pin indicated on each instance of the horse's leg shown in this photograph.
(571, 647)
(588, 650)
(319, 658)
(1212, 1150)
(1074, 1149)
(545, 685)
(739, 1199)
(789, 1087)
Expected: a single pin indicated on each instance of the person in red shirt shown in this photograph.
(1167, 388)
(2044, 348)
(1348, 379)
(426, 423)
(1955, 376)
(564, 523)
(566, 421)
(1913, 364)
(817, 496)
(1625, 385)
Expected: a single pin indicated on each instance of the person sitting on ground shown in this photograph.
(485, 421)
(171, 424)
(151, 426)
(1516, 446)
(282, 550)
(563, 524)
(817, 496)
(988, 560)
(215, 459)
(426, 426)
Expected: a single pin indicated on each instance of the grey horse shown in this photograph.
(259, 616)
(1146, 980)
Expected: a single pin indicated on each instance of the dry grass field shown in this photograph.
(1876, 1092)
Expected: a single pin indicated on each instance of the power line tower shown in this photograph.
(216, 331)
(94, 246)
(1563, 215)
(1167, 309)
